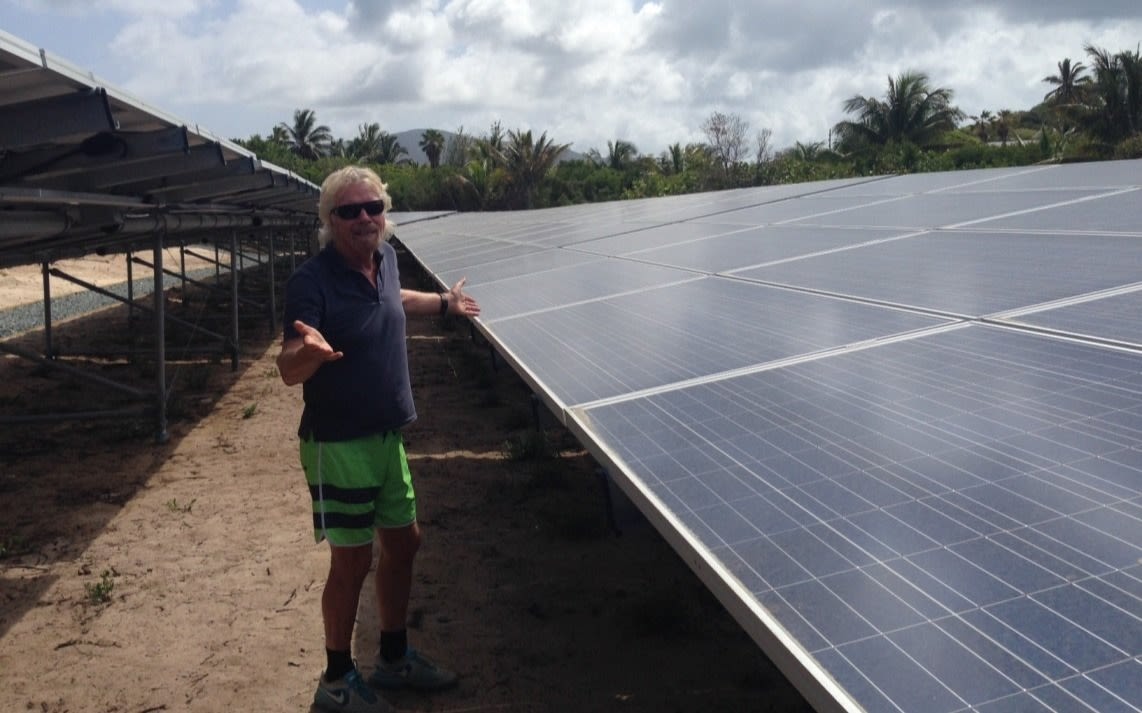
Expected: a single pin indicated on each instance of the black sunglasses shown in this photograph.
(349, 211)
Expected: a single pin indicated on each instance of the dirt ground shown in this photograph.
(138, 577)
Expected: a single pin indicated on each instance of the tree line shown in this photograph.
(1091, 112)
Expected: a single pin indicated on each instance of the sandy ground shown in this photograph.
(138, 577)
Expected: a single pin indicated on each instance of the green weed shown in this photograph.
(100, 592)
(249, 411)
(175, 506)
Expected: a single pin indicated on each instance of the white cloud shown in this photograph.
(584, 71)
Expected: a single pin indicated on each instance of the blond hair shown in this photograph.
(337, 181)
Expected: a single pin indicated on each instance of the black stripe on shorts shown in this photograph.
(349, 496)
(341, 520)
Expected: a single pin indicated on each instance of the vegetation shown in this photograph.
(1092, 110)
(100, 592)
(175, 506)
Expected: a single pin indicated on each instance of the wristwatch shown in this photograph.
(443, 305)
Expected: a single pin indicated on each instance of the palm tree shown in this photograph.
(620, 154)
(982, 124)
(366, 145)
(911, 112)
(672, 161)
(307, 138)
(490, 147)
(280, 135)
(389, 150)
(432, 143)
(1070, 84)
(807, 152)
(1117, 93)
(459, 148)
(477, 178)
(527, 161)
(1003, 120)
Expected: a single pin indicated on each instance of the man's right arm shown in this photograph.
(302, 356)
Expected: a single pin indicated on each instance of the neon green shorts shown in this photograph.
(358, 486)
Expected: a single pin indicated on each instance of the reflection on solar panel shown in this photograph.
(894, 424)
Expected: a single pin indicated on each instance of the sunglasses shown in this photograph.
(349, 211)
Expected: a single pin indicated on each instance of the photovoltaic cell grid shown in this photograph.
(945, 523)
(947, 520)
(967, 273)
(1115, 318)
(661, 336)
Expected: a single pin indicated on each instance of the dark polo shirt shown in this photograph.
(368, 390)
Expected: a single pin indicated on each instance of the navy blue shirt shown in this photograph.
(368, 391)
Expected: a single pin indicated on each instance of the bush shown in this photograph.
(1130, 148)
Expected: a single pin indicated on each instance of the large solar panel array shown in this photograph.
(894, 424)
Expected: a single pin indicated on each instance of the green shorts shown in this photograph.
(358, 486)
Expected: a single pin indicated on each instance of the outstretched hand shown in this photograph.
(313, 344)
(460, 303)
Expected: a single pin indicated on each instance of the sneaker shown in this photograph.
(348, 694)
(412, 671)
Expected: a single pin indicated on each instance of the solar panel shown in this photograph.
(1116, 318)
(944, 522)
(1119, 212)
(892, 423)
(757, 246)
(936, 210)
(966, 273)
(589, 280)
(530, 260)
(688, 330)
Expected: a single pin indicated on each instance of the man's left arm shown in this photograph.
(428, 304)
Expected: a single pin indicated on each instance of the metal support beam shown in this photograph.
(197, 283)
(71, 370)
(130, 301)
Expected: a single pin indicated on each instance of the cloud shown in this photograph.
(584, 71)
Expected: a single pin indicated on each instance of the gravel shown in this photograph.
(19, 319)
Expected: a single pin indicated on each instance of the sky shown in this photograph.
(585, 72)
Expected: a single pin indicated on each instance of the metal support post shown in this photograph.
(130, 291)
(235, 260)
(49, 349)
(273, 291)
(161, 435)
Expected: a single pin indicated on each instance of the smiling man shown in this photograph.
(344, 341)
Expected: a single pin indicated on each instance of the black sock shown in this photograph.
(338, 663)
(393, 645)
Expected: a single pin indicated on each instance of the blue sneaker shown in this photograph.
(413, 671)
(348, 694)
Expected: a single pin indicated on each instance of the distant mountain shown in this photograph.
(410, 140)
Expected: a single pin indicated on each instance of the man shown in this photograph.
(345, 342)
